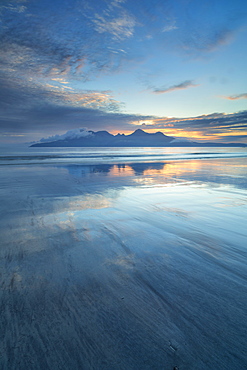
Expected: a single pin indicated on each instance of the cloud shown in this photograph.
(183, 85)
(214, 122)
(119, 27)
(63, 39)
(19, 94)
(84, 39)
(94, 100)
(71, 134)
(27, 106)
(41, 112)
(204, 29)
(208, 123)
(216, 126)
(171, 26)
(59, 43)
(36, 109)
(208, 41)
(234, 138)
(236, 97)
(52, 118)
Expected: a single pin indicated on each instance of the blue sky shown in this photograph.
(174, 66)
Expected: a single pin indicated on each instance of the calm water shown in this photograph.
(24, 155)
(121, 258)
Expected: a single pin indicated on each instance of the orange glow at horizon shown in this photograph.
(199, 135)
(178, 133)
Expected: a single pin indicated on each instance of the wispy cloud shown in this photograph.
(82, 39)
(119, 27)
(235, 97)
(170, 26)
(205, 122)
(94, 100)
(199, 41)
(183, 85)
(72, 41)
(43, 109)
(47, 48)
(216, 126)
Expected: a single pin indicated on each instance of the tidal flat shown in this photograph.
(124, 261)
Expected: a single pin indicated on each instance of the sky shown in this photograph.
(175, 66)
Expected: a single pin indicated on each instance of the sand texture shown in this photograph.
(123, 267)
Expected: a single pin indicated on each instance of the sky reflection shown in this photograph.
(155, 246)
(220, 171)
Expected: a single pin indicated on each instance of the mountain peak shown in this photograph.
(138, 132)
(138, 138)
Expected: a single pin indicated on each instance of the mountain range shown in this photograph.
(138, 138)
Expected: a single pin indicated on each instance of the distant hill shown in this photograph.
(138, 138)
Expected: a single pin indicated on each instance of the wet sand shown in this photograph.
(136, 266)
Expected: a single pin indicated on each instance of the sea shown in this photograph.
(123, 258)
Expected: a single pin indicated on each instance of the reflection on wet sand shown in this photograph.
(101, 271)
(222, 171)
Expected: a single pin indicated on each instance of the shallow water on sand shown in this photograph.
(124, 262)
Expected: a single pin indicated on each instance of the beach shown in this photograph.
(117, 259)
